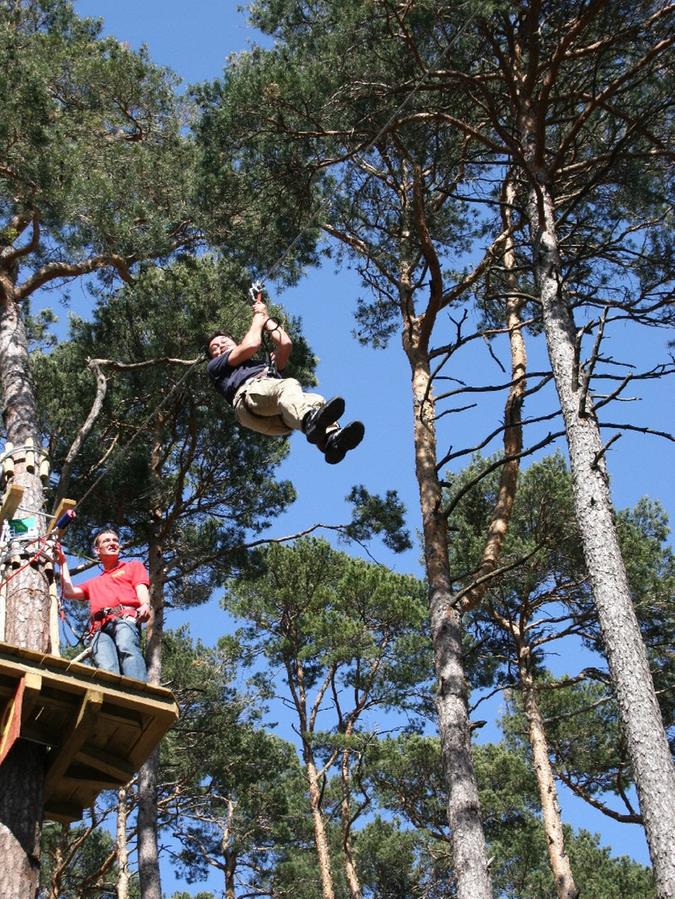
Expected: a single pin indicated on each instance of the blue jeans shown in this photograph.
(116, 647)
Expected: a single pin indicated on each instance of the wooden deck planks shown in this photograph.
(99, 727)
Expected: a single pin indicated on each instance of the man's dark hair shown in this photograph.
(215, 334)
(101, 532)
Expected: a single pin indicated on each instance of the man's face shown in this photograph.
(107, 545)
(221, 344)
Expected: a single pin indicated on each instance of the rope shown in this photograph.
(284, 255)
(33, 512)
(79, 638)
(141, 427)
(43, 541)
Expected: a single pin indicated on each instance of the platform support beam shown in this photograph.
(109, 764)
(16, 710)
(74, 738)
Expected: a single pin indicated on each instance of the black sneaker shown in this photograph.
(340, 442)
(316, 422)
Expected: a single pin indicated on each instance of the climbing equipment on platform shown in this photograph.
(29, 539)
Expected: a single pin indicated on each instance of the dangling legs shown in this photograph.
(281, 398)
(279, 406)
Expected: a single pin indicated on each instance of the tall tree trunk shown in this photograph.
(626, 656)
(470, 861)
(230, 868)
(229, 854)
(320, 839)
(148, 853)
(122, 848)
(58, 864)
(351, 873)
(148, 848)
(468, 842)
(513, 430)
(26, 619)
(565, 886)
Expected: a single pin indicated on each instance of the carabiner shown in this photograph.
(255, 291)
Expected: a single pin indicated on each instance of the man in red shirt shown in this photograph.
(119, 600)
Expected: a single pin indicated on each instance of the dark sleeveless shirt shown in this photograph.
(228, 379)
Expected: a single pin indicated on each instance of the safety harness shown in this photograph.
(103, 616)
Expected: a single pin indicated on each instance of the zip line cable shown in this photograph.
(270, 273)
(392, 118)
(144, 423)
(287, 251)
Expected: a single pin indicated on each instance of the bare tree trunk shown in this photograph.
(513, 431)
(27, 618)
(148, 854)
(470, 860)
(565, 886)
(468, 841)
(230, 885)
(320, 839)
(148, 848)
(629, 669)
(58, 863)
(122, 849)
(353, 883)
(229, 854)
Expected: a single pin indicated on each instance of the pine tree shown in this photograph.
(94, 178)
(346, 635)
(567, 107)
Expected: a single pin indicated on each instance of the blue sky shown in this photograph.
(194, 39)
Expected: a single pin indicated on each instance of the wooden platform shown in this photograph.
(99, 727)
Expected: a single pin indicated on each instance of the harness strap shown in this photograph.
(269, 352)
(110, 613)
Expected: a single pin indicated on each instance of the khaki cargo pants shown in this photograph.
(274, 406)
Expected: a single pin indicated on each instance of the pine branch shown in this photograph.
(456, 600)
(11, 256)
(82, 434)
(56, 270)
(147, 363)
(550, 437)
(588, 367)
(579, 791)
(640, 430)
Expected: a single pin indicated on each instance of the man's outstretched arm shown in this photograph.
(251, 342)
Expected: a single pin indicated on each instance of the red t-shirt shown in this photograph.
(115, 587)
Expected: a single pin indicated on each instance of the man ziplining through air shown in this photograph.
(268, 403)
